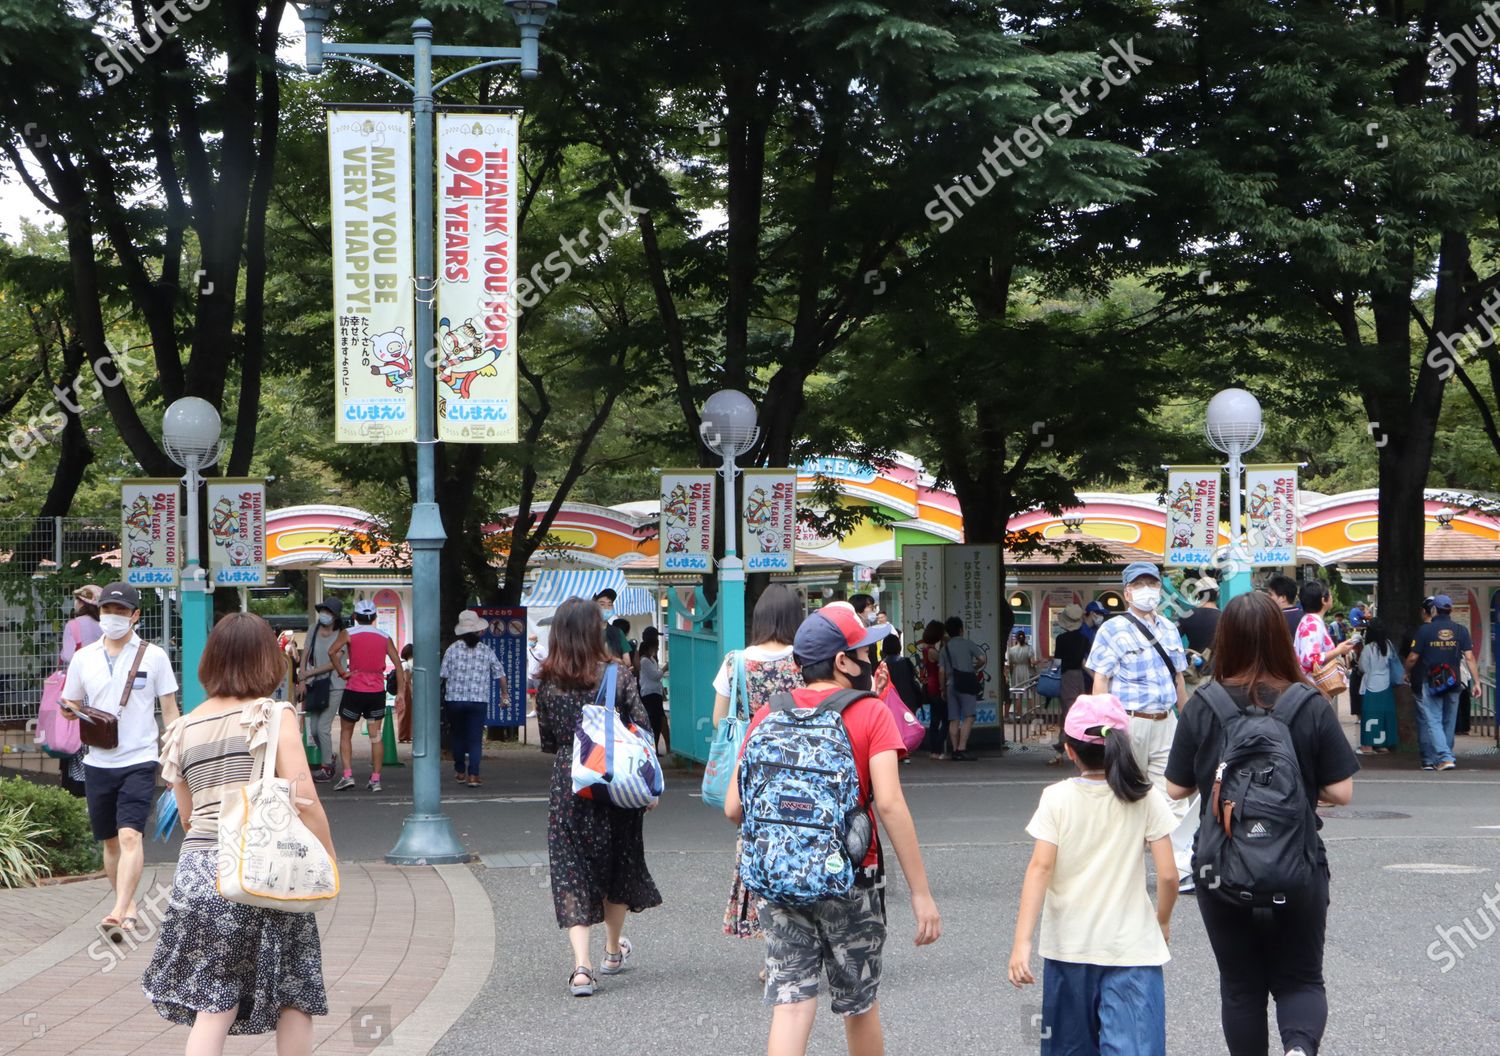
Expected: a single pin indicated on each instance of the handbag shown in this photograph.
(612, 758)
(729, 738)
(1049, 682)
(318, 695)
(910, 728)
(267, 856)
(56, 733)
(965, 682)
(100, 729)
(1332, 678)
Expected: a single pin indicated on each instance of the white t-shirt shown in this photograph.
(1097, 910)
(90, 681)
(752, 652)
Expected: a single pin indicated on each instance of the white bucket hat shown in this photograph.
(470, 622)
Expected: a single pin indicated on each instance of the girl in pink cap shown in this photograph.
(1103, 945)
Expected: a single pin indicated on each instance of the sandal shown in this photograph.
(582, 989)
(131, 924)
(615, 963)
(111, 928)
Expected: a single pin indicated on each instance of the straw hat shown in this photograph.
(88, 594)
(1070, 619)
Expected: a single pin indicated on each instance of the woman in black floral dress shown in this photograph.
(596, 850)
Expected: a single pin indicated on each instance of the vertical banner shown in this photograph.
(237, 532)
(1271, 514)
(507, 637)
(476, 211)
(971, 576)
(374, 302)
(1192, 514)
(150, 542)
(768, 520)
(686, 530)
(923, 597)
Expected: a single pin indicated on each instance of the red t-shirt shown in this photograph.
(872, 730)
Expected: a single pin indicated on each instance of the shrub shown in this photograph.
(68, 846)
(21, 857)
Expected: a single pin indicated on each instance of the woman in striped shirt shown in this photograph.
(220, 967)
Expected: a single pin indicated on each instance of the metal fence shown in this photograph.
(42, 562)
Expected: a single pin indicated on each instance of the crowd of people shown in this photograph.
(808, 880)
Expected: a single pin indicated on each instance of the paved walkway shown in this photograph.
(396, 977)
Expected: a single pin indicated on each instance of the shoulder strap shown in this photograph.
(268, 760)
(783, 701)
(1290, 702)
(1155, 644)
(1220, 702)
(837, 701)
(130, 678)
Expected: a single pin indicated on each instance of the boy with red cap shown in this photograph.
(843, 937)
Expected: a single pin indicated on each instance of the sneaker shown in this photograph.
(615, 963)
(1449, 765)
(1186, 885)
(323, 773)
(374, 785)
(1298, 1051)
(344, 782)
(1428, 766)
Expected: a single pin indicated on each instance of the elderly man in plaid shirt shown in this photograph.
(1138, 657)
(470, 667)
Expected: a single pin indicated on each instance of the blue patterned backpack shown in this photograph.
(805, 830)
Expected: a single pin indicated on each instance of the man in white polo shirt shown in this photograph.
(120, 782)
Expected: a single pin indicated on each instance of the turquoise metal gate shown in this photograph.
(694, 656)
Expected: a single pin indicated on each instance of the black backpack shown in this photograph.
(1258, 835)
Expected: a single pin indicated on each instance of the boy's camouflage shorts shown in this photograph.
(842, 936)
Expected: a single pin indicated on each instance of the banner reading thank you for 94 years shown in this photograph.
(237, 532)
(1271, 514)
(476, 366)
(1192, 514)
(686, 538)
(768, 520)
(374, 301)
(150, 544)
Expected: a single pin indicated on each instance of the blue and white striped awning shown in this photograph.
(554, 586)
(636, 601)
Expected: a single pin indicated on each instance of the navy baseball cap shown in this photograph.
(1137, 569)
(1442, 601)
(1094, 606)
(834, 629)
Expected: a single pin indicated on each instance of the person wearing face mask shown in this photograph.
(616, 640)
(125, 676)
(1094, 616)
(1139, 658)
(470, 669)
(324, 671)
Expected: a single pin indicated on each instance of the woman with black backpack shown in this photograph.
(1267, 935)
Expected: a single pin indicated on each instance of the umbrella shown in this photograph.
(166, 815)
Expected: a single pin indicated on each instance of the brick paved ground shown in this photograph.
(387, 945)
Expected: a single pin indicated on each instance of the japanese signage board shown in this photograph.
(507, 637)
(687, 520)
(476, 337)
(768, 520)
(1192, 514)
(374, 302)
(237, 532)
(150, 539)
(1271, 515)
(922, 596)
(971, 576)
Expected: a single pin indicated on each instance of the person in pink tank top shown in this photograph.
(364, 690)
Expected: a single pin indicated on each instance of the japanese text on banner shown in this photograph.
(476, 367)
(374, 303)
(768, 520)
(507, 637)
(150, 549)
(1271, 514)
(1192, 514)
(237, 532)
(686, 529)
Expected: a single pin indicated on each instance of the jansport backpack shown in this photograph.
(1257, 843)
(805, 831)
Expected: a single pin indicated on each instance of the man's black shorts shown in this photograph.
(119, 798)
(356, 706)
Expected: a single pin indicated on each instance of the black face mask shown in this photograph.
(471, 639)
(866, 677)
